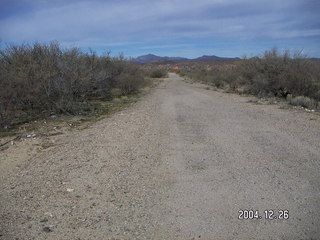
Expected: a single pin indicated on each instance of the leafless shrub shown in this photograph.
(39, 79)
(272, 74)
(303, 101)
(158, 73)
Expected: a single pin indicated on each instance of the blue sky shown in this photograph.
(186, 28)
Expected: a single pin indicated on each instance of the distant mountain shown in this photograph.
(148, 58)
(151, 58)
(206, 58)
(315, 59)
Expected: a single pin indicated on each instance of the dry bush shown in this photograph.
(303, 101)
(41, 79)
(130, 80)
(277, 74)
(272, 74)
(158, 73)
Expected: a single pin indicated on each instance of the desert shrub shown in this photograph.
(40, 79)
(303, 102)
(215, 77)
(158, 73)
(130, 80)
(116, 92)
(271, 74)
(280, 74)
(259, 86)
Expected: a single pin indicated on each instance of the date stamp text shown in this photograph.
(267, 214)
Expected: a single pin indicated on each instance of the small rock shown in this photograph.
(47, 228)
(48, 214)
(70, 190)
(44, 220)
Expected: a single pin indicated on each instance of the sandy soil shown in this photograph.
(179, 164)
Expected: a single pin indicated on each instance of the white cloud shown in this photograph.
(116, 23)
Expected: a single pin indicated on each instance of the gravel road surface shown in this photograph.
(182, 163)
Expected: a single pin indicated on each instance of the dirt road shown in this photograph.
(179, 164)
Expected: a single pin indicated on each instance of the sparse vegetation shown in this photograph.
(43, 79)
(272, 74)
(158, 73)
(303, 101)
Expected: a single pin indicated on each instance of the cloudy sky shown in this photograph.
(187, 28)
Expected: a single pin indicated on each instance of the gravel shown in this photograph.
(178, 164)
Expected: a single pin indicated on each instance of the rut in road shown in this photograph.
(179, 164)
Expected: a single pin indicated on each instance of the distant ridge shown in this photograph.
(206, 58)
(151, 58)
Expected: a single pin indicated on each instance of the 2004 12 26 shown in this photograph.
(267, 214)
